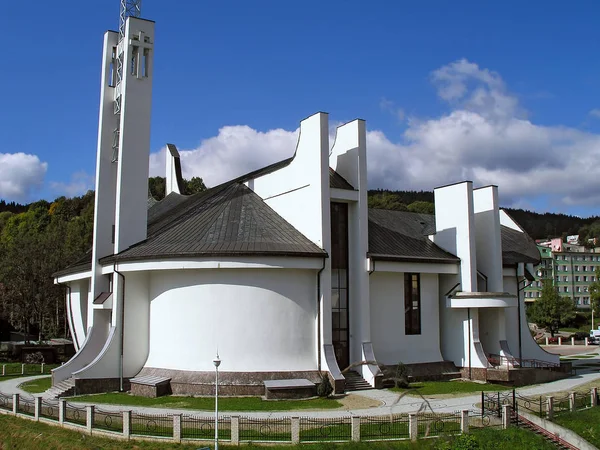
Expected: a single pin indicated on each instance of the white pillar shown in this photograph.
(355, 420)
(464, 421)
(413, 429)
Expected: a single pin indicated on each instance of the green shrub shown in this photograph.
(401, 378)
(324, 389)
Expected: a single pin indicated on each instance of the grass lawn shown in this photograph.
(451, 387)
(27, 435)
(208, 403)
(37, 386)
(585, 423)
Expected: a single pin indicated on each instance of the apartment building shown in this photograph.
(572, 267)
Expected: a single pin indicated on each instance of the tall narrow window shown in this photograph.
(145, 59)
(112, 77)
(412, 304)
(339, 284)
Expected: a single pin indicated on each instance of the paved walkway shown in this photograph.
(391, 401)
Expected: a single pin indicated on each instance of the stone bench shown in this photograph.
(285, 389)
(150, 386)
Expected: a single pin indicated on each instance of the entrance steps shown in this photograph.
(548, 436)
(355, 382)
(64, 388)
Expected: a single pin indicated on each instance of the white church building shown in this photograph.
(284, 271)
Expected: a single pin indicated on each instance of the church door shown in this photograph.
(339, 283)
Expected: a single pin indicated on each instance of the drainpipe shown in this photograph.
(470, 332)
(73, 334)
(319, 316)
(122, 327)
(519, 289)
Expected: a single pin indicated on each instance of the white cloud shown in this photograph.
(595, 113)
(235, 151)
(80, 183)
(20, 175)
(485, 137)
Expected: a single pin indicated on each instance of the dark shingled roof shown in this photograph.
(518, 247)
(83, 264)
(227, 220)
(336, 181)
(402, 236)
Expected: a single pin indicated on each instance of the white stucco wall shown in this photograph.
(455, 329)
(390, 343)
(260, 320)
(492, 328)
(455, 229)
(78, 310)
(487, 236)
(137, 322)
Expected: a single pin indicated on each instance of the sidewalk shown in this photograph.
(391, 401)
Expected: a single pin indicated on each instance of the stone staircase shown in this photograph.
(548, 436)
(354, 382)
(64, 388)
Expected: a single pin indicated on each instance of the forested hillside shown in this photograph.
(538, 226)
(37, 240)
(41, 238)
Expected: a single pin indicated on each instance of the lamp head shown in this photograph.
(217, 361)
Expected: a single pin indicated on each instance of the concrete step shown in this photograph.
(354, 382)
(63, 388)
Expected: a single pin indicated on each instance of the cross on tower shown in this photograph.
(140, 54)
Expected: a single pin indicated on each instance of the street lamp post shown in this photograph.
(217, 363)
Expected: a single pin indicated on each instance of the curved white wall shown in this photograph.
(260, 320)
(78, 310)
(529, 348)
(390, 343)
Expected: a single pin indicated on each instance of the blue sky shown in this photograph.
(497, 92)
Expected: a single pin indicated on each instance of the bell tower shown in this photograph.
(123, 151)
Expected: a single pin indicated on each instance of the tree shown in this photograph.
(193, 186)
(421, 207)
(551, 311)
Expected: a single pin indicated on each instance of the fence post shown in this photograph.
(413, 429)
(482, 405)
(89, 418)
(464, 421)
(42, 372)
(3, 369)
(572, 401)
(506, 412)
(127, 424)
(594, 395)
(177, 428)
(295, 430)
(15, 404)
(549, 407)
(499, 404)
(547, 341)
(235, 430)
(560, 340)
(355, 420)
(62, 410)
(22, 369)
(37, 407)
